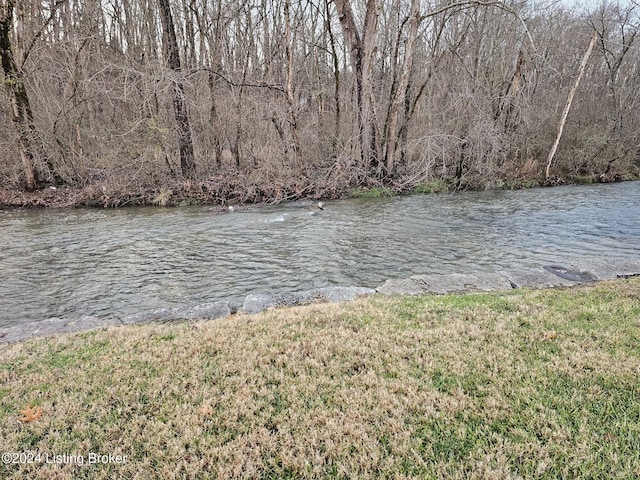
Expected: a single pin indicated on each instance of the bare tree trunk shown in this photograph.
(567, 107)
(361, 50)
(294, 151)
(21, 113)
(392, 138)
(185, 144)
(507, 111)
(336, 77)
(214, 120)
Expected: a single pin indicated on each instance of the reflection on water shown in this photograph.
(116, 263)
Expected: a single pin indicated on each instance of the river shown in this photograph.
(117, 263)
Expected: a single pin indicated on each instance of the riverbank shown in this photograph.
(585, 270)
(522, 383)
(231, 190)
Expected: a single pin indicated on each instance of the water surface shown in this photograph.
(116, 263)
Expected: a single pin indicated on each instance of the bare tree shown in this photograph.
(400, 93)
(361, 44)
(280, 98)
(567, 107)
(185, 144)
(294, 150)
(13, 58)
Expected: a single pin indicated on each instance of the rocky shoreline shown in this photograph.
(549, 276)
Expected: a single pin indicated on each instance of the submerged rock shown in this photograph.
(463, 282)
(571, 275)
(343, 294)
(205, 311)
(536, 278)
(585, 271)
(52, 326)
(609, 268)
(446, 283)
(256, 302)
(401, 286)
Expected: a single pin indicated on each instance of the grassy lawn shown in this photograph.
(523, 384)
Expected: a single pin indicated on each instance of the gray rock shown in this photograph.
(205, 311)
(547, 277)
(400, 286)
(609, 268)
(587, 270)
(538, 278)
(256, 302)
(343, 294)
(463, 282)
(52, 326)
(445, 283)
(571, 274)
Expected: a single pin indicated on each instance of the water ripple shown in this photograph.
(114, 263)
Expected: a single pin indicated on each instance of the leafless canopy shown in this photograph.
(294, 97)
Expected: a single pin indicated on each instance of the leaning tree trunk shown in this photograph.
(567, 107)
(185, 144)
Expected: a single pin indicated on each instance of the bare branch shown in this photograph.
(38, 34)
(480, 3)
(259, 84)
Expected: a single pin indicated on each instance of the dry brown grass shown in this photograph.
(511, 385)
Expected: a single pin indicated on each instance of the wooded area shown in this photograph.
(154, 101)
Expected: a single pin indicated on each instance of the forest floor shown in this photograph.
(520, 384)
(229, 190)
